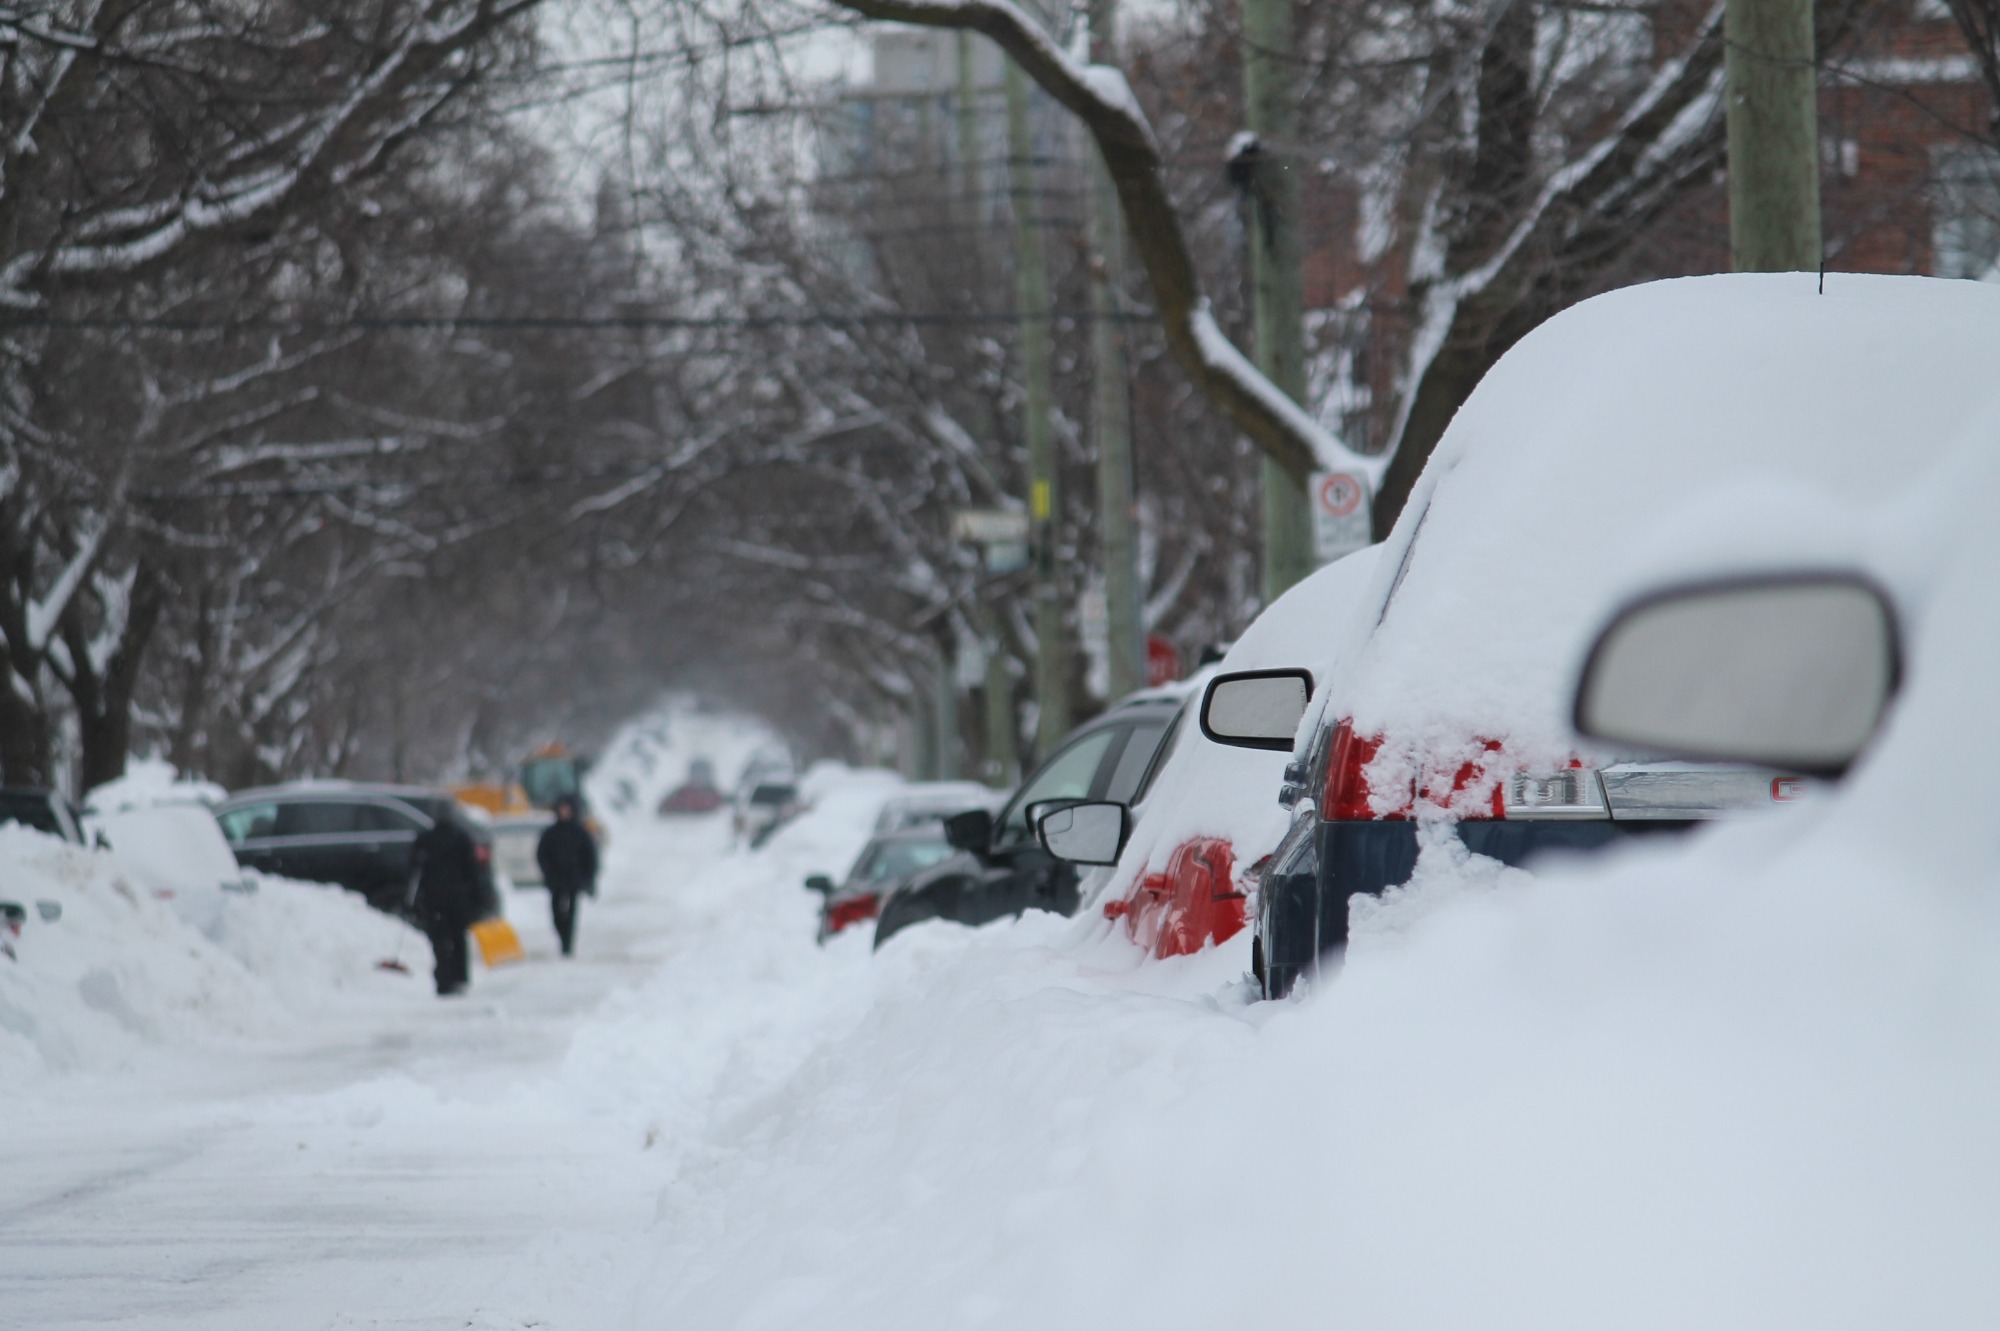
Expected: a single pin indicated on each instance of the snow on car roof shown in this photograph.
(1603, 434)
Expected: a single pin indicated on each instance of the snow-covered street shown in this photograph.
(570, 1144)
(1570, 1092)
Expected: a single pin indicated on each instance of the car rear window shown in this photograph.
(1140, 746)
(387, 818)
(249, 822)
(899, 859)
(319, 818)
(773, 794)
(30, 811)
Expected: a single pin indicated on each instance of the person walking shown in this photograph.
(448, 898)
(567, 854)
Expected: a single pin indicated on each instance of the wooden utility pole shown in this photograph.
(1001, 762)
(1031, 293)
(1111, 404)
(1277, 265)
(968, 123)
(944, 723)
(1773, 115)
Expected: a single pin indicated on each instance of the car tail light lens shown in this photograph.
(1575, 792)
(1346, 798)
(1476, 788)
(852, 910)
(484, 854)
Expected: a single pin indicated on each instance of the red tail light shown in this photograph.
(1347, 778)
(1349, 799)
(484, 854)
(851, 910)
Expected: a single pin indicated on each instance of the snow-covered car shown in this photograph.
(163, 830)
(1001, 870)
(926, 803)
(691, 797)
(1702, 422)
(889, 859)
(1203, 826)
(355, 835)
(44, 810)
(763, 807)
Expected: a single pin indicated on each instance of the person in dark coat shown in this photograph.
(568, 856)
(448, 898)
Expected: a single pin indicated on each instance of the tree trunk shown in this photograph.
(1773, 137)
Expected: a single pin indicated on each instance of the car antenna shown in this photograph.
(1822, 270)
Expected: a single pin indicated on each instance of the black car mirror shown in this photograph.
(1089, 833)
(1256, 709)
(820, 883)
(1790, 671)
(971, 830)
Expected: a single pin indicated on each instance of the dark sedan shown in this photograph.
(1000, 869)
(356, 836)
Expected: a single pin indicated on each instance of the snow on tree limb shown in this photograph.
(1100, 97)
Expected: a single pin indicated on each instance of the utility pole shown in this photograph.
(1111, 404)
(1266, 166)
(1001, 760)
(1031, 290)
(945, 722)
(968, 123)
(1773, 109)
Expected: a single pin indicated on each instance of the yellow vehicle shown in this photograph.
(520, 808)
(546, 776)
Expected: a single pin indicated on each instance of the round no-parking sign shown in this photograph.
(1340, 513)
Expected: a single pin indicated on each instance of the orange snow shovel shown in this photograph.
(498, 943)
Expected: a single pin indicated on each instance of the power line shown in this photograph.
(560, 323)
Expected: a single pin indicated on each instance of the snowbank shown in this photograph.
(123, 975)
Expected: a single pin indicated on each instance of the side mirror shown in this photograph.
(1256, 709)
(820, 883)
(1092, 833)
(1791, 671)
(50, 911)
(971, 830)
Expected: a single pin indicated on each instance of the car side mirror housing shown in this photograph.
(1788, 670)
(1094, 832)
(1256, 709)
(971, 830)
(819, 883)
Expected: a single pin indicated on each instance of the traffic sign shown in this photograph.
(1342, 521)
(1163, 661)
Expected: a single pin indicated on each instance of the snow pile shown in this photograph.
(122, 973)
(1744, 1079)
(149, 783)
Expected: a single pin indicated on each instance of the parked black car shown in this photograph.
(356, 836)
(1000, 869)
(43, 810)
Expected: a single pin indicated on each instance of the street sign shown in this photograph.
(989, 526)
(1341, 513)
(1163, 661)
